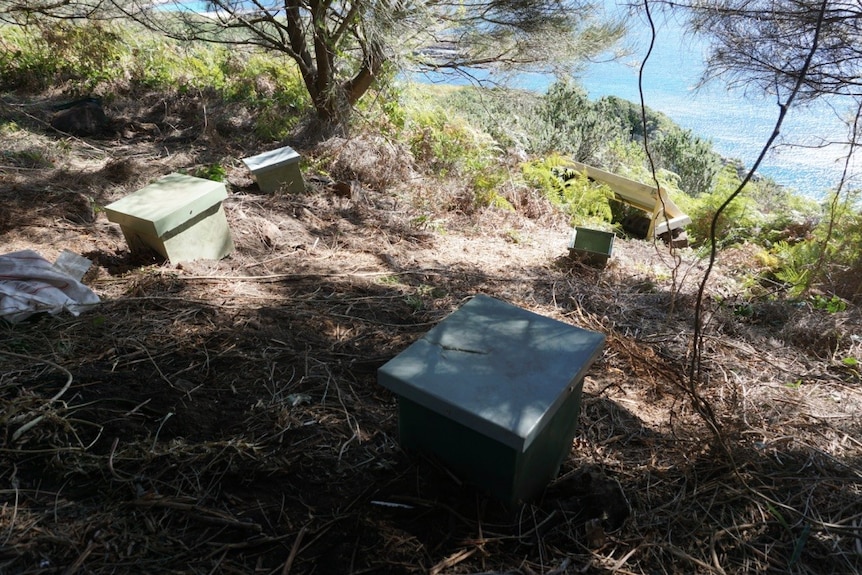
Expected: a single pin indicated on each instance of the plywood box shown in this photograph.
(494, 391)
(277, 169)
(178, 216)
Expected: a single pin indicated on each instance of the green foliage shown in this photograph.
(852, 365)
(738, 221)
(273, 123)
(210, 67)
(485, 184)
(583, 200)
(843, 224)
(572, 125)
(805, 252)
(44, 54)
(673, 149)
(428, 222)
(794, 385)
(628, 159)
(831, 305)
(154, 64)
(264, 79)
(795, 265)
(8, 127)
(215, 172)
(94, 57)
(447, 143)
(508, 116)
(24, 61)
(385, 109)
(451, 146)
(630, 118)
(624, 155)
(690, 157)
(90, 52)
(269, 83)
(607, 133)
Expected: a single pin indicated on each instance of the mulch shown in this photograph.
(225, 417)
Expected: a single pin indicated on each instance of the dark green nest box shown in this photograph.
(494, 391)
(594, 247)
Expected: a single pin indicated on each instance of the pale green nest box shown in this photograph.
(277, 169)
(179, 216)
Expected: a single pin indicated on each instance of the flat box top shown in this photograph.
(166, 204)
(271, 160)
(498, 369)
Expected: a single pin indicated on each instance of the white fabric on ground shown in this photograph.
(30, 284)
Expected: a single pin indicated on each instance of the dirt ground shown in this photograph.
(225, 417)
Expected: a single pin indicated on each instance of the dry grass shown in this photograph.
(224, 417)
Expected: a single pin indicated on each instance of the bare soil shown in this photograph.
(224, 417)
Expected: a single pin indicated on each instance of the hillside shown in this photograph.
(224, 417)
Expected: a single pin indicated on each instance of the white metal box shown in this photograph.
(277, 169)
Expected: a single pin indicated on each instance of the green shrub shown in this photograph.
(447, 143)
(215, 172)
(41, 55)
(581, 199)
(572, 125)
(508, 116)
(673, 149)
(266, 79)
(630, 119)
(805, 252)
(833, 304)
(795, 265)
(384, 107)
(486, 184)
(91, 53)
(690, 157)
(738, 222)
(25, 62)
(207, 68)
(154, 64)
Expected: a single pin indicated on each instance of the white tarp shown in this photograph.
(31, 284)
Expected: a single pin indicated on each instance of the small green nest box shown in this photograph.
(277, 169)
(494, 391)
(594, 247)
(179, 216)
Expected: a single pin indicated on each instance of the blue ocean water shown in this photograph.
(738, 125)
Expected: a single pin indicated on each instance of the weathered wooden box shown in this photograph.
(179, 216)
(591, 246)
(494, 391)
(277, 169)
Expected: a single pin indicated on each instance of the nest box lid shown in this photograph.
(271, 160)
(498, 369)
(166, 204)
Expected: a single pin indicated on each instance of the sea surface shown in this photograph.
(737, 125)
